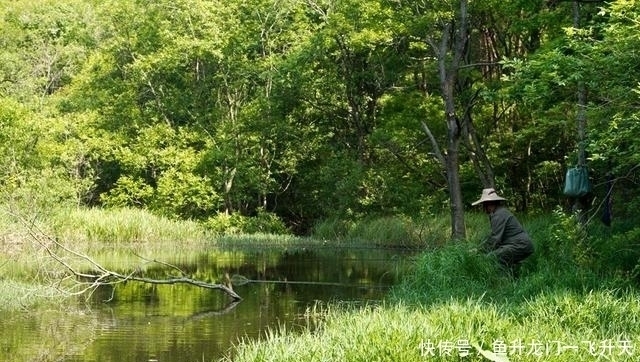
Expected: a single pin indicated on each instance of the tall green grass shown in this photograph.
(391, 231)
(119, 226)
(545, 328)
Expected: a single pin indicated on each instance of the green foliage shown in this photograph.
(310, 110)
(44, 45)
(184, 195)
(569, 240)
(165, 180)
(18, 138)
(234, 224)
(613, 143)
(31, 175)
(590, 248)
(626, 256)
(128, 192)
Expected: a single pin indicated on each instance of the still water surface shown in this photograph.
(185, 323)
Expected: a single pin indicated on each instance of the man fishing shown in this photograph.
(508, 241)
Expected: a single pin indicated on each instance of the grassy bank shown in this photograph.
(576, 300)
(546, 328)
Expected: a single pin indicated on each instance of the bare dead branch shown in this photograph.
(162, 263)
(436, 149)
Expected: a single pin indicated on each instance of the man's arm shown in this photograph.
(486, 245)
(498, 225)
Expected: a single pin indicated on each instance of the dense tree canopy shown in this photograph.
(315, 109)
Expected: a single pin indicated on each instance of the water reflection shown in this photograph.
(144, 322)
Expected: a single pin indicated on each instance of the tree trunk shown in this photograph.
(448, 67)
(458, 230)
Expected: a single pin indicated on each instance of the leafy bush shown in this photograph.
(589, 247)
(263, 223)
(128, 192)
(622, 252)
(570, 240)
(185, 195)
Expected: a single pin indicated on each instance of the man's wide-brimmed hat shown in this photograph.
(488, 195)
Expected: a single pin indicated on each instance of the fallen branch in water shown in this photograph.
(90, 281)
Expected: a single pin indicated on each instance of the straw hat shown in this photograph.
(488, 195)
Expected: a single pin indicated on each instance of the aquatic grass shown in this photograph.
(388, 231)
(119, 226)
(332, 229)
(261, 240)
(92, 230)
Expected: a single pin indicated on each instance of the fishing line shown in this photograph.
(239, 280)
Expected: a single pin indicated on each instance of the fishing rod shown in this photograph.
(239, 280)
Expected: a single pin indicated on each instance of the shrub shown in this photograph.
(263, 223)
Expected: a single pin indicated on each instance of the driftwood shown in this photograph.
(88, 281)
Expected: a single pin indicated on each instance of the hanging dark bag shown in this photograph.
(577, 182)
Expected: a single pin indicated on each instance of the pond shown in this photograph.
(144, 322)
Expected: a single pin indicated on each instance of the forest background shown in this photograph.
(279, 115)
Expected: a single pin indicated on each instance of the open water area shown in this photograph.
(282, 288)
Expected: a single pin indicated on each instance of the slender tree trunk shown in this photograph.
(581, 116)
(456, 204)
(448, 68)
(479, 158)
